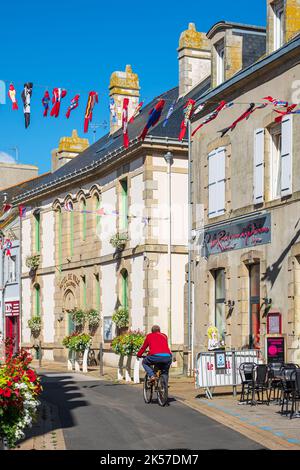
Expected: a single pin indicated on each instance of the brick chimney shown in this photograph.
(123, 85)
(194, 55)
(69, 148)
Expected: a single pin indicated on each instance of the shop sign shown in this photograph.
(274, 323)
(12, 309)
(247, 233)
(275, 350)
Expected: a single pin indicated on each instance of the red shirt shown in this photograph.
(157, 344)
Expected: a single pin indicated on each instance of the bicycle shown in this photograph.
(160, 386)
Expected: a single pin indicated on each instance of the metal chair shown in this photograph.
(261, 384)
(275, 379)
(246, 370)
(288, 388)
(295, 395)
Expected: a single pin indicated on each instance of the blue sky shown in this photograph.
(78, 44)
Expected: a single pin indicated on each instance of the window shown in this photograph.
(84, 289)
(71, 227)
(216, 183)
(124, 206)
(278, 26)
(220, 63)
(97, 292)
(220, 319)
(254, 306)
(83, 218)
(12, 269)
(59, 234)
(259, 157)
(124, 279)
(37, 300)
(96, 200)
(37, 230)
(275, 170)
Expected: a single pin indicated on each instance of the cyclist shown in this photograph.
(159, 353)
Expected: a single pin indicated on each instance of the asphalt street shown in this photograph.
(98, 415)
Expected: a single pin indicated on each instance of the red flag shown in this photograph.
(125, 122)
(136, 112)
(58, 95)
(284, 113)
(189, 109)
(92, 100)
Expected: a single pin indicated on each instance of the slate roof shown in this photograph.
(99, 151)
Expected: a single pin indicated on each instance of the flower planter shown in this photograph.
(127, 372)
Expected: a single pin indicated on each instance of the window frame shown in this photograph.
(278, 10)
(275, 167)
(220, 62)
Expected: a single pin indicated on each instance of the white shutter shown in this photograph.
(212, 183)
(259, 150)
(286, 155)
(216, 183)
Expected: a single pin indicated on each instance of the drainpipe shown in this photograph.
(169, 160)
(190, 320)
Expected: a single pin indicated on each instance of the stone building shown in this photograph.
(106, 191)
(245, 266)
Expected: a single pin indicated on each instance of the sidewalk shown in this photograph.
(261, 423)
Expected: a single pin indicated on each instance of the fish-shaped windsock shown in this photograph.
(73, 105)
(125, 122)
(12, 96)
(189, 109)
(58, 95)
(154, 117)
(211, 116)
(136, 112)
(276, 102)
(252, 108)
(289, 110)
(26, 97)
(92, 100)
(45, 102)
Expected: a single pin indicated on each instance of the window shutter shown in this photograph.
(259, 150)
(216, 185)
(286, 156)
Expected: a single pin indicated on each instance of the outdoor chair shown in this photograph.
(261, 384)
(275, 379)
(295, 377)
(288, 388)
(246, 370)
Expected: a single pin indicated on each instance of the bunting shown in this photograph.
(12, 97)
(189, 109)
(170, 112)
(26, 97)
(211, 116)
(73, 105)
(289, 110)
(125, 122)
(92, 100)
(136, 112)
(276, 102)
(58, 95)
(45, 102)
(252, 108)
(22, 211)
(154, 117)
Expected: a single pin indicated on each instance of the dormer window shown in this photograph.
(278, 25)
(220, 63)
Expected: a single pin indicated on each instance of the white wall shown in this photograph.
(26, 309)
(48, 239)
(48, 307)
(108, 286)
(178, 280)
(137, 293)
(26, 242)
(108, 222)
(136, 225)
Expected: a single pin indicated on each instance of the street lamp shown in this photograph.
(169, 160)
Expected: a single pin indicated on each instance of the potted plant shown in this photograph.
(93, 318)
(77, 342)
(33, 262)
(121, 317)
(78, 317)
(35, 324)
(128, 345)
(119, 240)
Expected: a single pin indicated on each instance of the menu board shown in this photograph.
(275, 350)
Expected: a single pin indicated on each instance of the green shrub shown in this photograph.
(128, 344)
(121, 317)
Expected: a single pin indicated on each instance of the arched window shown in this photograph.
(70, 210)
(83, 218)
(37, 300)
(37, 230)
(124, 288)
(97, 217)
(58, 214)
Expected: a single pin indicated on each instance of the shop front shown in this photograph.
(12, 323)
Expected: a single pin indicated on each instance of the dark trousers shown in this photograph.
(163, 361)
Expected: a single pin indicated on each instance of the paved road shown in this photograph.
(98, 415)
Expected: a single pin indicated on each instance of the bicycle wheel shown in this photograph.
(162, 391)
(147, 390)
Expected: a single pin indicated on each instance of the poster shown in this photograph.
(276, 350)
(220, 360)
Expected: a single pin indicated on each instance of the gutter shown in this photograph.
(94, 165)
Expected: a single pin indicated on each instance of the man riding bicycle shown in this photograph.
(159, 353)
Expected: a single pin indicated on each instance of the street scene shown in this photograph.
(150, 231)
